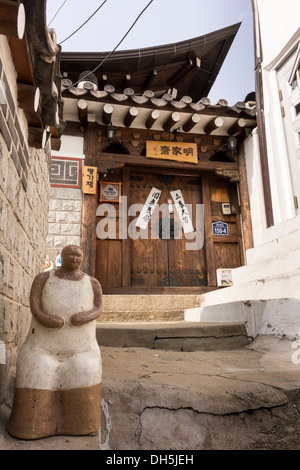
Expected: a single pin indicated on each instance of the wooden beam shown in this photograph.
(107, 113)
(184, 74)
(202, 165)
(193, 120)
(209, 242)
(82, 110)
(37, 137)
(123, 222)
(152, 118)
(130, 116)
(239, 125)
(127, 82)
(28, 97)
(150, 79)
(245, 203)
(12, 19)
(173, 119)
(213, 124)
(55, 144)
(89, 203)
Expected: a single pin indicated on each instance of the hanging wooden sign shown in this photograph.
(178, 151)
(89, 179)
(110, 192)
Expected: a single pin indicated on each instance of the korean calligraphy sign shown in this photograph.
(179, 151)
(182, 211)
(148, 208)
(89, 179)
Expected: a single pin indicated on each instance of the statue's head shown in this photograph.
(71, 257)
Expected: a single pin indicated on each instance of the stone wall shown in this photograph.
(64, 220)
(24, 198)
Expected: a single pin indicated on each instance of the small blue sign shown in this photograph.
(220, 228)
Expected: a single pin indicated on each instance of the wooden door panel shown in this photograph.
(109, 262)
(166, 262)
(227, 248)
(227, 255)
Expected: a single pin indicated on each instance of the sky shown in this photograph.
(163, 22)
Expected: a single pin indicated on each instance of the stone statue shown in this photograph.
(59, 368)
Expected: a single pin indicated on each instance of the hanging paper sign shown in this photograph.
(179, 151)
(148, 209)
(89, 179)
(182, 211)
(220, 228)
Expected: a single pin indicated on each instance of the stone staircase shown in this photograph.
(157, 322)
(147, 308)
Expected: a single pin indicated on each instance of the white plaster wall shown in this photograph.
(279, 21)
(280, 32)
(71, 146)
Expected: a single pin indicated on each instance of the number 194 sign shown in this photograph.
(220, 228)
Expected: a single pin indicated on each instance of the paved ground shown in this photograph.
(145, 389)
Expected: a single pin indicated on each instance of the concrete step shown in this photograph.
(146, 308)
(173, 336)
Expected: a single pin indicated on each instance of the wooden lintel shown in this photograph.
(213, 124)
(152, 118)
(82, 108)
(28, 97)
(193, 120)
(107, 113)
(130, 116)
(12, 18)
(239, 125)
(110, 159)
(173, 119)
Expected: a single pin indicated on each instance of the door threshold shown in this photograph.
(184, 290)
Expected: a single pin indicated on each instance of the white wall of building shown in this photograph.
(265, 293)
(280, 34)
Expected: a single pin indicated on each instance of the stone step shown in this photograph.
(174, 336)
(146, 308)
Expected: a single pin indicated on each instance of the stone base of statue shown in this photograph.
(59, 370)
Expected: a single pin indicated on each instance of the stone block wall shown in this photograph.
(64, 220)
(24, 200)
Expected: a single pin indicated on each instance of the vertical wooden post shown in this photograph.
(126, 240)
(89, 204)
(245, 203)
(209, 243)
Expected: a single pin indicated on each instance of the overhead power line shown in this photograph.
(57, 12)
(84, 22)
(110, 53)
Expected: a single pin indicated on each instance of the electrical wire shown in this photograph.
(110, 53)
(57, 12)
(84, 23)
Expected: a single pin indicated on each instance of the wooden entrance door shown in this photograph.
(155, 258)
(161, 256)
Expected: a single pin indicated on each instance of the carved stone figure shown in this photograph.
(59, 368)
